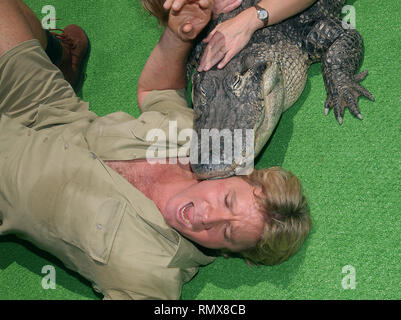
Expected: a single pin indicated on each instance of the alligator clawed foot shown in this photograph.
(346, 94)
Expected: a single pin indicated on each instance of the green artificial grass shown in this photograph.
(350, 173)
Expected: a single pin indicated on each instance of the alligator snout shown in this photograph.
(229, 107)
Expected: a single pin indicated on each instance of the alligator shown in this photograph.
(265, 79)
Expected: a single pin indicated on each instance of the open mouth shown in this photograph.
(184, 213)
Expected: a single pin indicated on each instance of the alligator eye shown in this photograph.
(203, 95)
(237, 82)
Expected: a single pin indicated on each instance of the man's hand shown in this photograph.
(176, 5)
(224, 6)
(166, 65)
(187, 18)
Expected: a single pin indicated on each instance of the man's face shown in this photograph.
(217, 214)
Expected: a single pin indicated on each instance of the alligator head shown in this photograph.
(236, 109)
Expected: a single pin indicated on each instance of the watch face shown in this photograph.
(262, 14)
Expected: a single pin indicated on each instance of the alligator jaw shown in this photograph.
(203, 173)
(244, 166)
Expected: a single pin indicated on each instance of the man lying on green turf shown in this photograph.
(80, 187)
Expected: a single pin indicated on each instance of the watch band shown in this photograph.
(260, 11)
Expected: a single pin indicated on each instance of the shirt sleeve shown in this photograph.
(168, 111)
(166, 101)
(119, 136)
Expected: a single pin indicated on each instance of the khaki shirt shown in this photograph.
(56, 192)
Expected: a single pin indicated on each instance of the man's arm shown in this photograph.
(165, 67)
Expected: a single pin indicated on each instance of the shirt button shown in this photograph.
(99, 226)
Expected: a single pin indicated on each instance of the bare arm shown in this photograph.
(165, 67)
(280, 10)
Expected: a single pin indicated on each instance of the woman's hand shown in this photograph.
(190, 17)
(227, 39)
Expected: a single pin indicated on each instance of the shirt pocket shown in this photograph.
(83, 207)
(87, 220)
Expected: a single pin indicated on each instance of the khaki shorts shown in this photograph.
(28, 79)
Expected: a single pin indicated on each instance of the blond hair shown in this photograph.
(155, 8)
(287, 221)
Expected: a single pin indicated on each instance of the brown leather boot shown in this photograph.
(76, 50)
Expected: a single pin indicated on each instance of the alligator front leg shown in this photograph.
(341, 51)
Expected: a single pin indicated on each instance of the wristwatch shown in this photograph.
(262, 14)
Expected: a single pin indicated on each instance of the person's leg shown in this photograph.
(69, 51)
(49, 42)
(34, 24)
(28, 78)
(14, 28)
